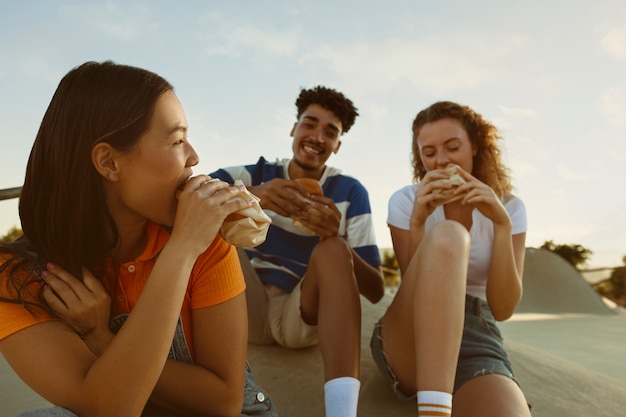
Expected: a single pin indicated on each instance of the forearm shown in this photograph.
(193, 390)
(416, 234)
(186, 388)
(132, 363)
(99, 341)
(369, 278)
(504, 285)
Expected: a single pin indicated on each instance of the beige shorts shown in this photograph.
(273, 314)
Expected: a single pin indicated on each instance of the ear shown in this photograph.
(337, 147)
(293, 129)
(103, 159)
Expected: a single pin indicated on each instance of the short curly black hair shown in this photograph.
(329, 99)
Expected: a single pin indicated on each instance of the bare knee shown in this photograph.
(443, 256)
(331, 259)
(448, 238)
(331, 250)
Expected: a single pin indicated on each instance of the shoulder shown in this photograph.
(344, 180)
(517, 212)
(216, 276)
(17, 273)
(404, 195)
(252, 174)
(341, 185)
(20, 306)
(217, 251)
(401, 206)
(513, 204)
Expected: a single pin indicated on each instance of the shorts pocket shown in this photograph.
(256, 402)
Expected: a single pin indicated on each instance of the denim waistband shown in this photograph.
(473, 305)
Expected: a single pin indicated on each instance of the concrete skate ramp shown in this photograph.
(553, 286)
(556, 386)
(561, 373)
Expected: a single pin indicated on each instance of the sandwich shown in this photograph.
(453, 179)
(247, 227)
(311, 185)
(314, 188)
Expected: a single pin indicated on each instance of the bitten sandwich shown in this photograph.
(453, 179)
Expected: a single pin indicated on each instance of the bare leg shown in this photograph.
(330, 299)
(490, 395)
(422, 327)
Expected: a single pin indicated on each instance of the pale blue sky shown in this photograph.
(550, 74)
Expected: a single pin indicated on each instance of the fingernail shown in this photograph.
(50, 265)
(251, 200)
(45, 287)
(241, 186)
(44, 274)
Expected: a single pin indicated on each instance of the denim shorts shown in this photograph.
(482, 351)
(48, 412)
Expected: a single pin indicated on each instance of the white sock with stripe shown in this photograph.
(434, 404)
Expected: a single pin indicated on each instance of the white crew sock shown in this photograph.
(342, 396)
(434, 403)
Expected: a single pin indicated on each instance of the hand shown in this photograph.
(281, 196)
(321, 216)
(203, 205)
(482, 196)
(83, 305)
(426, 199)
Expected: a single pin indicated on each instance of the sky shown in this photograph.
(551, 75)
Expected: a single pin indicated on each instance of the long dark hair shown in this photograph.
(62, 206)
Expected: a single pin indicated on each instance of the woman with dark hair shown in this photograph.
(460, 247)
(116, 227)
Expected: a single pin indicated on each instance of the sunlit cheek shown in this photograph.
(429, 162)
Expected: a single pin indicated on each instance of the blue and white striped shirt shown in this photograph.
(282, 259)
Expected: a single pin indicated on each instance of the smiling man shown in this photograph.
(304, 281)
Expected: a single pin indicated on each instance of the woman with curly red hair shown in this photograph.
(461, 264)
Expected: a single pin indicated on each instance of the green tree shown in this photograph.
(614, 287)
(390, 267)
(11, 235)
(576, 255)
(618, 281)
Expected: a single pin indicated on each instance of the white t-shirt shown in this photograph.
(481, 233)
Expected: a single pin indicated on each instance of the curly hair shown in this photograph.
(488, 166)
(331, 100)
